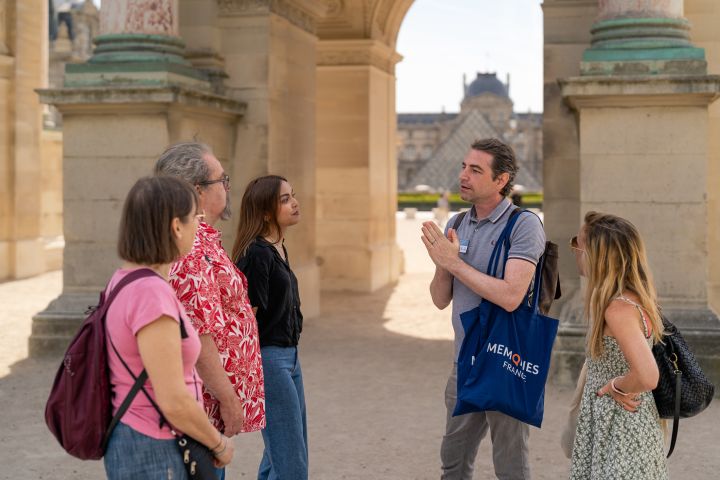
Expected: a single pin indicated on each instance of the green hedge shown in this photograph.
(428, 201)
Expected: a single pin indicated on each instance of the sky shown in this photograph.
(442, 39)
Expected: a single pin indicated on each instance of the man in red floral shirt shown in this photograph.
(214, 293)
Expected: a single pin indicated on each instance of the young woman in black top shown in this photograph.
(268, 208)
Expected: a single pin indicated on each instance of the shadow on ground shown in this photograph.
(375, 367)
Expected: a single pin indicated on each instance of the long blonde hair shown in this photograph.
(616, 263)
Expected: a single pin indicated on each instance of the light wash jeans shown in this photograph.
(131, 455)
(285, 436)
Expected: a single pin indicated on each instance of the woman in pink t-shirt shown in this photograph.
(145, 324)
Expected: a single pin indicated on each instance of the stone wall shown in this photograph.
(567, 35)
(23, 68)
(704, 16)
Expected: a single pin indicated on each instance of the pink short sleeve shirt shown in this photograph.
(137, 305)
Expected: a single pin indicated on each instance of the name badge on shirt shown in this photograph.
(464, 246)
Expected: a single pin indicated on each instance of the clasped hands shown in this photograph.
(443, 250)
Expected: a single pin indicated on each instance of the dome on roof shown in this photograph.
(486, 83)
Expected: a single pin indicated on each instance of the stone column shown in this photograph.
(269, 47)
(138, 44)
(705, 17)
(3, 27)
(642, 101)
(357, 166)
(23, 67)
(135, 95)
(641, 37)
(200, 30)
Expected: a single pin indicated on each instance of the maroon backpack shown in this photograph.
(79, 409)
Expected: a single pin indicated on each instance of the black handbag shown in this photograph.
(683, 390)
(197, 458)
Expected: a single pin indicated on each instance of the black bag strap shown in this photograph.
(458, 220)
(678, 397)
(139, 382)
(140, 385)
(676, 415)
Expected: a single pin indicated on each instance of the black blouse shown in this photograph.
(273, 289)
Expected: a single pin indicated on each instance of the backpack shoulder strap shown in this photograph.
(458, 220)
(127, 279)
(510, 225)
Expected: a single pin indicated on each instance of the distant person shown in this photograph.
(148, 326)
(63, 8)
(619, 434)
(268, 209)
(443, 208)
(461, 257)
(215, 295)
(52, 21)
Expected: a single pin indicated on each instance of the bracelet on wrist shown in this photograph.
(218, 445)
(217, 453)
(616, 389)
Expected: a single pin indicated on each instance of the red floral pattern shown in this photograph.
(214, 294)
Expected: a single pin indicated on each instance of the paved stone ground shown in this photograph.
(375, 368)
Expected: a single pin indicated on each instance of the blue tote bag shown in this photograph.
(504, 359)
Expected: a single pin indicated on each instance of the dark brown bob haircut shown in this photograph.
(503, 160)
(258, 212)
(151, 205)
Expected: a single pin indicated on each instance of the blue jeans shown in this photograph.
(131, 455)
(285, 436)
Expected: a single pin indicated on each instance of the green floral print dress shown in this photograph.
(612, 443)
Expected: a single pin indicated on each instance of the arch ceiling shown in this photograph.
(363, 19)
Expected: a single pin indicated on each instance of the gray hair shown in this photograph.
(185, 160)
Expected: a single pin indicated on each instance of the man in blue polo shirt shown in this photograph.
(461, 258)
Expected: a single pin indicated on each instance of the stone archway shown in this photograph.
(356, 165)
(307, 88)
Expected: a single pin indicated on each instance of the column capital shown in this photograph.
(357, 53)
(301, 13)
(640, 91)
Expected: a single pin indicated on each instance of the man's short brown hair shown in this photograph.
(503, 160)
(145, 235)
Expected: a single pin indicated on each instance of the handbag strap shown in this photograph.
(139, 385)
(125, 281)
(676, 414)
(140, 380)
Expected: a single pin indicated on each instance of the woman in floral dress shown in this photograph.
(619, 434)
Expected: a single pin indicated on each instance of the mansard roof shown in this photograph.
(424, 118)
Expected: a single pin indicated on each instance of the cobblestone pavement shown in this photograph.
(375, 368)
